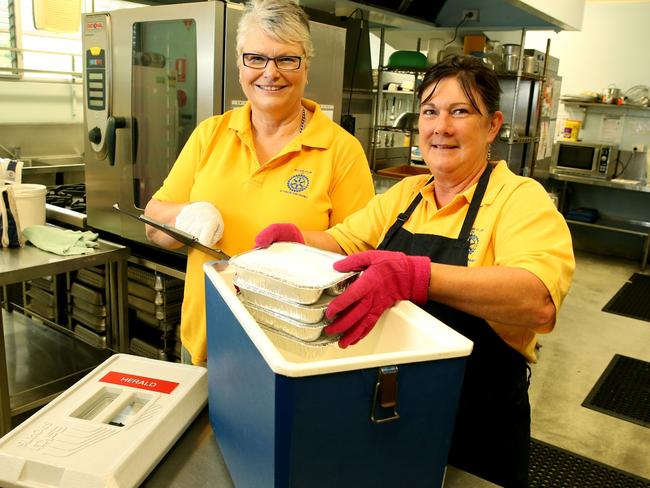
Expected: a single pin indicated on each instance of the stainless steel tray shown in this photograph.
(292, 271)
(90, 337)
(139, 347)
(152, 279)
(98, 324)
(40, 295)
(92, 277)
(306, 350)
(44, 283)
(152, 321)
(309, 314)
(40, 308)
(98, 310)
(87, 293)
(294, 328)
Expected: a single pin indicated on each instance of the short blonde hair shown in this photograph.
(283, 20)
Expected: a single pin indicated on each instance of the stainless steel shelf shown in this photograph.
(624, 226)
(606, 106)
(520, 140)
(406, 71)
(397, 92)
(29, 262)
(523, 76)
(390, 128)
(607, 222)
(631, 185)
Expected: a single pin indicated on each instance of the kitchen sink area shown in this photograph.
(53, 169)
(50, 161)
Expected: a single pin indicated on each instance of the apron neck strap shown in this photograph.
(475, 204)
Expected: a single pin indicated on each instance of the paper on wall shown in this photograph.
(611, 129)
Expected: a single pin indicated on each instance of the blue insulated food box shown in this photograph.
(377, 414)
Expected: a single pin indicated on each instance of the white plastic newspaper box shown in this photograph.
(109, 429)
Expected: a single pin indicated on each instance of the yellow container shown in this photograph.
(571, 129)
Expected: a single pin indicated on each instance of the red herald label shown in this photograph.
(142, 382)
(94, 25)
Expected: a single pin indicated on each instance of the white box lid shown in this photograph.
(109, 429)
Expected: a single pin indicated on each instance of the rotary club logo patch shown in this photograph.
(473, 242)
(298, 183)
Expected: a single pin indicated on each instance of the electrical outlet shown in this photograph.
(639, 148)
(470, 15)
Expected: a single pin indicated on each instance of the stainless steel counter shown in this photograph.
(196, 461)
(619, 183)
(20, 264)
(624, 212)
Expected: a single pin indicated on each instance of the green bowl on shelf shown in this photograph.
(407, 60)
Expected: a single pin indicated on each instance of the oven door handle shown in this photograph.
(112, 124)
(134, 140)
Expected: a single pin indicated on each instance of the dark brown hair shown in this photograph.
(472, 74)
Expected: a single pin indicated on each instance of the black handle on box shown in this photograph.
(385, 394)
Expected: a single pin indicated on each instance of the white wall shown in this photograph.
(613, 47)
(34, 102)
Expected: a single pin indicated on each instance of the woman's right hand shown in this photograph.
(202, 220)
(278, 233)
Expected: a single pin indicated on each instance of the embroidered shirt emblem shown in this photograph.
(298, 183)
(473, 241)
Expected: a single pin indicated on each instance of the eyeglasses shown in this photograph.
(283, 63)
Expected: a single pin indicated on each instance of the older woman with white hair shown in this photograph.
(277, 158)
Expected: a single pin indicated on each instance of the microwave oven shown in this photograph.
(587, 159)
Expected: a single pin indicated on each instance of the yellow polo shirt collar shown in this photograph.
(317, 134)
(497, 181)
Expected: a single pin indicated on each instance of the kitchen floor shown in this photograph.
(571, 360)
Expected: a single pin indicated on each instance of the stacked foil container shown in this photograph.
(287, 287)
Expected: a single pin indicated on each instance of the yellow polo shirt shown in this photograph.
(517, 226)
(319, 178)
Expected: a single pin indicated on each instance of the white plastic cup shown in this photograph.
(30, 204)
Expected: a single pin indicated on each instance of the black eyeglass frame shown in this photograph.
(268, 58)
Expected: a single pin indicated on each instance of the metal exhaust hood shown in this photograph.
(492, 14)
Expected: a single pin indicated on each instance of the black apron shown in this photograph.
(492, 433)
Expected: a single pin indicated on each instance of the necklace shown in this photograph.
(302, 119)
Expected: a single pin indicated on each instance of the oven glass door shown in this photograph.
(163, 99)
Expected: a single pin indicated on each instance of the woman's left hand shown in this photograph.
(278, 233)
(387, 278)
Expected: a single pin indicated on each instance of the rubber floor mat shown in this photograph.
(623, 390)
(552, 467)
(632, 299)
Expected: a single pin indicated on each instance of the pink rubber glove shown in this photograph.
(278, 233)
(387, 278)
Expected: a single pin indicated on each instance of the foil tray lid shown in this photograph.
(292, 263)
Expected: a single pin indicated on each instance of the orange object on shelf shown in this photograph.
(474, 43)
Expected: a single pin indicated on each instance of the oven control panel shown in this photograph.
(97, 79)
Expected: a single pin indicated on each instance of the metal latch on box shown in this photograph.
(385, 394)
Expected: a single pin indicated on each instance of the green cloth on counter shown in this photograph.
(61, 241)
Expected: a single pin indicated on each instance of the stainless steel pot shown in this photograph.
(511, 62)
(531, 65)
(511, 49)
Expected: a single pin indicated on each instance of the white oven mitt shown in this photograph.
(202, 220)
